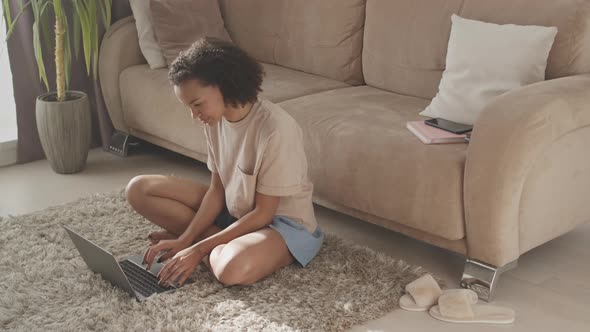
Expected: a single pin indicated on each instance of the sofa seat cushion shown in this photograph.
(361, 155)
(281, 83)
(149, 103)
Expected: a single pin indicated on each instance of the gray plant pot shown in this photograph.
(64, 129)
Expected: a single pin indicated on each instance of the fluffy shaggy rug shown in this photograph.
(46, 285)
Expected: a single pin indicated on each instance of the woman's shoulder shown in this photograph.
(270, 109)
(275, 118)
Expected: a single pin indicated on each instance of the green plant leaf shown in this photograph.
(37, 47)
(13, 25)
(35, 6)
(82, 11)
(93, 17)
(108, 5)
(7, 16)
(76, 31)
(81, 30)
(105, 10)
(59, 9)
(46, 30)
(104, 14)
(38, 50)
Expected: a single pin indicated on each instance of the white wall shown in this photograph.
(7, 107)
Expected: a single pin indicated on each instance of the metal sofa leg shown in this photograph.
(483, 278)
(120, 143)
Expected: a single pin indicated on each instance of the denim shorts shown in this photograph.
(302, 244)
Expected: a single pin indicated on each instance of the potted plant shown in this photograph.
(63, 116)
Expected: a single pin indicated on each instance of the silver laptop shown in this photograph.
(129, 274)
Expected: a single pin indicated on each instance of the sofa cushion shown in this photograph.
(149, 103)
(412, 60)
(145, 32)
(179, 23)
(319, 37)
(361, 155)
(282, 83)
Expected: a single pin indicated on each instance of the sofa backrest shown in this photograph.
(405, 41)
(322, 37)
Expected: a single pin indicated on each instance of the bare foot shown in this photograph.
(155, 237)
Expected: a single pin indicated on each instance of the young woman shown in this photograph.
(256, 216)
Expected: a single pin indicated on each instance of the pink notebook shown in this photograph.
(431, 135)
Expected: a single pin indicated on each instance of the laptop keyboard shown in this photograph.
(141, 280)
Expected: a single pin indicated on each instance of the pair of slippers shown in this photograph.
(453, 305)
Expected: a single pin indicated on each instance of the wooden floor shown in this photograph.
(549, 290)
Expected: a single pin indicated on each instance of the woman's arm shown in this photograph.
(265, 209)
(211, 206)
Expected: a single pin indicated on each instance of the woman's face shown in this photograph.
(204, 102)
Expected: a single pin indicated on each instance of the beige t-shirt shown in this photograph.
(262, 153)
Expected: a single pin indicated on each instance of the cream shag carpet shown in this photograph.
(45, 284)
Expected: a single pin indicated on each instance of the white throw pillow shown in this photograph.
(145, 31)
(485, 60)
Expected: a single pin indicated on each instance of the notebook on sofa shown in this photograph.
(431, 135)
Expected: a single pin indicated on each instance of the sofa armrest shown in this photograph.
(119, 50)
(510, 138)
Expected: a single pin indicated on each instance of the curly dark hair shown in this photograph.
(215, 62)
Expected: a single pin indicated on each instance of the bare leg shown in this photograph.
(249, 258)
(168, 202)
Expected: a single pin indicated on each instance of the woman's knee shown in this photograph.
(137, 189)
(229, 268)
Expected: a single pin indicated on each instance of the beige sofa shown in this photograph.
(353, 72)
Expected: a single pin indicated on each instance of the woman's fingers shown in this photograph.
(146, 256)
(166, 256)
(175, 275)
(180, 273)
(167, 270)
(151, 253)
(183, 279)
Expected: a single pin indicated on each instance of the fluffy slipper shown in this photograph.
(458, 307)
(421, 294)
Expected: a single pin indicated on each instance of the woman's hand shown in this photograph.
(181, 266)
(171, 247)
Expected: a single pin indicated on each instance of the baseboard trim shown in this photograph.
(7, 153)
